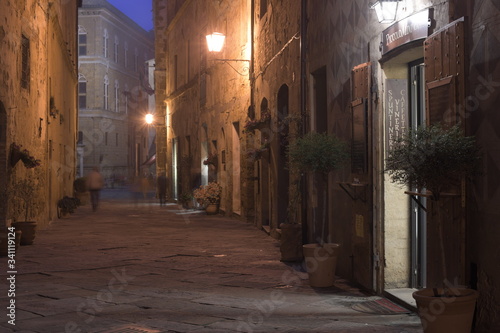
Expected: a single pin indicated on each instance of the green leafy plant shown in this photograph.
(434, 159)
(319, 153)
(80, 185)
(68, 204)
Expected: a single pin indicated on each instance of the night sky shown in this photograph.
(138, 10)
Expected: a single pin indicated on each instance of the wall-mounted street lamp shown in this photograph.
(149, 118)
(215, 42)
(386, 10)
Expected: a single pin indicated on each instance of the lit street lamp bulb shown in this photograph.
(149, 119)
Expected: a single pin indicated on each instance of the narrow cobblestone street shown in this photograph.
(139, 267)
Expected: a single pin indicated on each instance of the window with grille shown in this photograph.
(25, 62)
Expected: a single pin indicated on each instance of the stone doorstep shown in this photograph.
(402, 296)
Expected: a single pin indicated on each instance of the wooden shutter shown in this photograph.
(444, 57)
(445, 66)
(362, 215)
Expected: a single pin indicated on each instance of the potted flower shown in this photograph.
(17, 153)
(209, 196)
(211, 160)
(185, 199)
(256, 154)
(319, 153)
(66, 206)
(80, 190)
(435, 159)
(253, 124)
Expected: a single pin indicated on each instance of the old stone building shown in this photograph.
(38, 106)
(335, 67)
(207, 97)
(114, 89)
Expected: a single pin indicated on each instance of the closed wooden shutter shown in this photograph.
(444, 57)
(445, 72)
(362, 217)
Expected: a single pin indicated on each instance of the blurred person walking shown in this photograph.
(161, 183)
(95, 182)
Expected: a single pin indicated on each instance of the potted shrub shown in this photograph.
(80, 189)
(436, 159)
(185, 199)
(66, 206)
(319, 153)
(24, 190)
(209, 197)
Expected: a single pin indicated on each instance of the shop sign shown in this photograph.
(409, 29)
(396, 110)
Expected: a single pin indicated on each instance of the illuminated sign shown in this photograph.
(409, 29)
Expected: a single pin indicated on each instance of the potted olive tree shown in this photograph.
(434, 159)
(24, 190)
(319, 153)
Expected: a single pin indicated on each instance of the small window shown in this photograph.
(82, 95)
(82, 44)
(116, 49)
(263, 8)
(117, 139)
(80, 138)
(105, 44)
(106, 93)
(25, 56)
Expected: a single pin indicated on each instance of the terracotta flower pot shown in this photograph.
(321, 262)
(446, 314)
(28, 229)
(212, 209)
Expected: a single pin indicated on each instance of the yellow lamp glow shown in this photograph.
(149, 119)
(215, 41)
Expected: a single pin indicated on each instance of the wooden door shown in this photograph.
(445, 65)
(362, 177)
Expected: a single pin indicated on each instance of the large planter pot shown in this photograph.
(212, 209)
(446, 314)
(291, 242)
(28, 229)
(321, 261)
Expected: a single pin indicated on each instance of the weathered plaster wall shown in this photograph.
(481, 112)
(51, 139)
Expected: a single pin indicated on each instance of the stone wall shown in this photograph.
(40, 115)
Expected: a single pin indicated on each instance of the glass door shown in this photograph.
(418, 204)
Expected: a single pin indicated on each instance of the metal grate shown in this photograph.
(129, 329)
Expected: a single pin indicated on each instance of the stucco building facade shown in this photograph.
(114, 89)
(331, 66)
(38, 105)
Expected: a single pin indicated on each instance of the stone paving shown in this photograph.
(138, 267)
